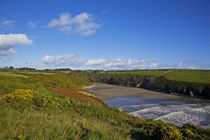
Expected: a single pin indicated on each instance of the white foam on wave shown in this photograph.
(147, 104)
(178, 114)
(134, 108)
(159, 110)
(195, 116)
(178, 111)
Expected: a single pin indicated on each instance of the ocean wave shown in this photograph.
(177, 112)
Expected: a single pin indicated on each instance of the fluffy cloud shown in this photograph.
(72, 61)
(6, 23)
(82, 24)
(9, 41)
(95, 62)
(130, 64)
(62, 60)
(121, 63)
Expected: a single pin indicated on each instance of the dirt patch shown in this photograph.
(72, 93)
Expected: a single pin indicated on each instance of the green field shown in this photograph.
(197, 76)
(32, 106)
(140, 72)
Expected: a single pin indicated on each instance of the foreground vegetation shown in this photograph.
(40, 105)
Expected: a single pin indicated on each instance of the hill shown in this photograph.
(39, 105)
(197, 76)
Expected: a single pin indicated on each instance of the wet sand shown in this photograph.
(106, 92)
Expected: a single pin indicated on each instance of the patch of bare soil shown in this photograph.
(73, 93)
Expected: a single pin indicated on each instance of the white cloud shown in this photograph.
(64, 20)
(31, 24)
(6, 23)
(62, 60)
(9, 41)
(72, 61)
(7, 52)
(32, 64)
(82, 24)
(187, 64)
(95, 62)
(57, 60)
(129, 64)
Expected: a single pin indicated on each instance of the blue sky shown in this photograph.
(105, 34)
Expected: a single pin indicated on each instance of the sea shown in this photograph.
(176, 111)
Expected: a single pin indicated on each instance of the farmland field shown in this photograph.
(140, 72)
(198, 76)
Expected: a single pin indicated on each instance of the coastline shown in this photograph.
(108, 92)
(175, 109)
(89, 87)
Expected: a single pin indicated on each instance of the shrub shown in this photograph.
(19, 97)
(28, 98)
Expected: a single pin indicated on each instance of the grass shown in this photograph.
(59, 125)
(196, 76)
(35, 108)
(140, 72)
(10, 74)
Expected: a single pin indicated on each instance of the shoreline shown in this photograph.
(143, 103)
(108, 92)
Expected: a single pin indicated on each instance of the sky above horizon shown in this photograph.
(105, 34)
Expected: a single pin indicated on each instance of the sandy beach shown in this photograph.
(106, 92)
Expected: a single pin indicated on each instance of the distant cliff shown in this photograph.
(156, 83)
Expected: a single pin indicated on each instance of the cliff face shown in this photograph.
(154, 83)
(186, 88)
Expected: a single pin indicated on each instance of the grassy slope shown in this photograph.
(31, 108)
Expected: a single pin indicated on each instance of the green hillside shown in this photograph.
(140, 72)
(198, 76)
(38, 105)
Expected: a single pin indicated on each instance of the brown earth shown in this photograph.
(73, 93)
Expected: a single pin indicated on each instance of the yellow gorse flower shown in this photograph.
(23, 94)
